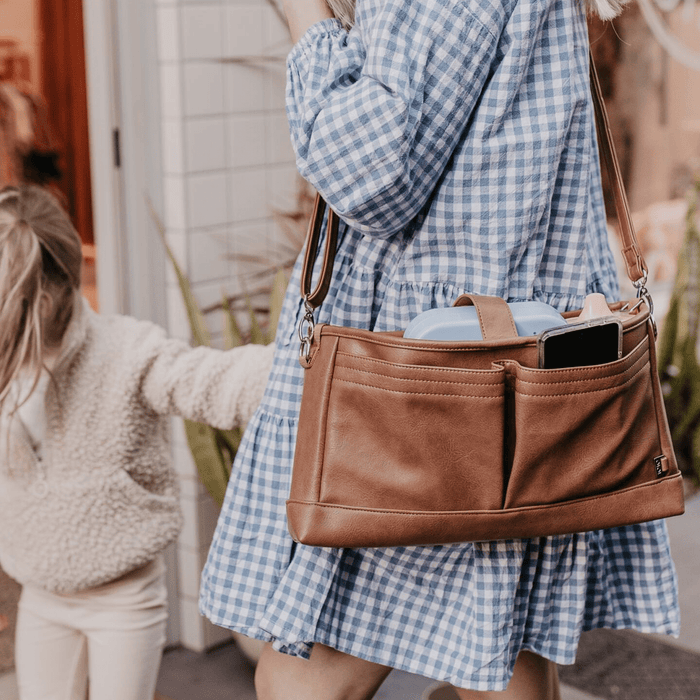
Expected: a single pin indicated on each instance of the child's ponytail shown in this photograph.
(40, 260)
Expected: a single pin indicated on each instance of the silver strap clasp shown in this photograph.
(645, 297)
(306, 331)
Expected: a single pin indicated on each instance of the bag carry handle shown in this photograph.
(632, 254)
(495, 317)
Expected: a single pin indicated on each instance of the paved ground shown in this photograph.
(611, 665)
(631, 666)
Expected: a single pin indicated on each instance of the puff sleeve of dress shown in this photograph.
(375, 113)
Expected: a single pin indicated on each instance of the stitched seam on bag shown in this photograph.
(641, 358)
(481, 348)
(578, 381)
(415, 393)
(656, 394)
(505, 511)
(327, 391)
(569, 370)
(411, 379)
(423, 368)
(528, 343)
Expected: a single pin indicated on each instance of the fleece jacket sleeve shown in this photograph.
(217, 387)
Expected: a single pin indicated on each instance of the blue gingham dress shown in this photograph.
(455, 139)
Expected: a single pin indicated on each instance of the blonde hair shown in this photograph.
(344, 10)
(40, 261)
(605, 9)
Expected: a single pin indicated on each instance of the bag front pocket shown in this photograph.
(581, 431)
(413, 438)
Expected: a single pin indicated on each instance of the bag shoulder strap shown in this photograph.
(634, 261)
(632, 254)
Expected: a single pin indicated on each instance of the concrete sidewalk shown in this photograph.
(613, 665)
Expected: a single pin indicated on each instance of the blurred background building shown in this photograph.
(148, 112)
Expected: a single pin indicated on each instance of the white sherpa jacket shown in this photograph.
(104, 499)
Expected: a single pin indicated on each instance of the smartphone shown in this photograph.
(594, 342)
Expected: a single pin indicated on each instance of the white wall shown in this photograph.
(227, 164)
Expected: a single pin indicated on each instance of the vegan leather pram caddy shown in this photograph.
(410, 442)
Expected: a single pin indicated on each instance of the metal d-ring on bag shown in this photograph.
(408, 442)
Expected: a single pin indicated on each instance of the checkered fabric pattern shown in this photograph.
(456, 141)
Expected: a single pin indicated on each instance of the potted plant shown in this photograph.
(678, 362)
(213, 450)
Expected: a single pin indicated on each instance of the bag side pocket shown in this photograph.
(437, 433)
(581, 431)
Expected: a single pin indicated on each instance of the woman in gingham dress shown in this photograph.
(455, 139)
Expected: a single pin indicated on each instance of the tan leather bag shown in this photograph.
(410, 442)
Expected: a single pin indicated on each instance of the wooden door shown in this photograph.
(64, 87)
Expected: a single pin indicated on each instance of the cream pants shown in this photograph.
(113, 635)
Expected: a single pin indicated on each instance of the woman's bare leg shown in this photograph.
(534, 678)
(333, 675)
(327, 675)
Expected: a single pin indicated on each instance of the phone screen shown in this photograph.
(581, 345)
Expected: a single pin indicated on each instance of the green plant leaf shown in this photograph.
(257, 335)
(198, 326)
(211, 464)
(233, 337)
(229, 441)
(678, 362)
(695, 451)
(669, 333)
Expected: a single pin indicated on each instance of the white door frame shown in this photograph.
(103, 123)
(124, 117)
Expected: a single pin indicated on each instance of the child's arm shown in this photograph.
(220, 388)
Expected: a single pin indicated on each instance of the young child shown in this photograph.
(88, 498)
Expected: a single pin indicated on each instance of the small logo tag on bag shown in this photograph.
(661, 464)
